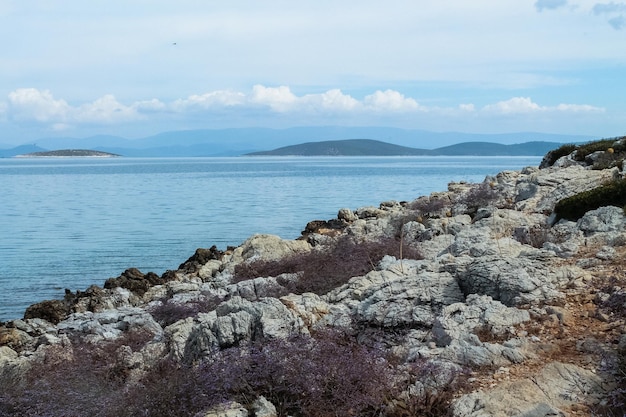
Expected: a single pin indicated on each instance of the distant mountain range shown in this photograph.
(241, 141)
(369, 147)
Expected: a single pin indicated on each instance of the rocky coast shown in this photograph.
(487, 299)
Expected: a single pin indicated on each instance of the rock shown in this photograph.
(308, 306)
(401, 295)
(136, 281)
(347, 215)
(254, 289)
(52, 311)
(261, 407)
(557, 387)
(543, 188)
(14, 338)
(12, 367)
(369, 212)
(267, 248)
(602, 220)
(479, 312)
(323, 227)
(235, 321)
(229, 409)
(512, 281)
(110, 324)
(200, 258)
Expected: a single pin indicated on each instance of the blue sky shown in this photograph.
(136, 67)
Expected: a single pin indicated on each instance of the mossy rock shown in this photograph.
(574, 207)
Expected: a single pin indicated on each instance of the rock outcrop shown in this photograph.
(528, 307)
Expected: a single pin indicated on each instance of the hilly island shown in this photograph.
(72, 153)
(369, 147)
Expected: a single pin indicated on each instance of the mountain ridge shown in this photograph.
(239, 141)
(369, 147)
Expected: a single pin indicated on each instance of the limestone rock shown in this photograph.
(261, 407)
(229, 409)
(402, 294)
(478, 312)
(109, 324)
(235, 321)
(512, 281)
(553, 390)
(269, 248)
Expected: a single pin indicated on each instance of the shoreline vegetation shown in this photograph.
(69, 153)
(439, 306)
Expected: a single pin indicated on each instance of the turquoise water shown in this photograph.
(71, 223)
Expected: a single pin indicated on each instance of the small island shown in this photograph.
(65, 153)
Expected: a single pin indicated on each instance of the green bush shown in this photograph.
(574, 207)
(552, 156)
(587, 149)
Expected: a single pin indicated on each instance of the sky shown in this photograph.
(133, 68)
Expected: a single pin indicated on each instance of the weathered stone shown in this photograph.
(109, 324)
(136, 281)
(402, 294)
(477, 313)
(261, 407)
(200, 258)
(346, 215)
(50, 310)
(229, 409)
(513, 281)
(557, 387)
(602, 220)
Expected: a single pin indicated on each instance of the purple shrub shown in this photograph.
(326, 376)
(322, 270)
(83, 380)
(169, 312)
(478, 196)
(330, 374)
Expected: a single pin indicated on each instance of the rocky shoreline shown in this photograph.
(519, 311)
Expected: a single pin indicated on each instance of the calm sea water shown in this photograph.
(70, 223)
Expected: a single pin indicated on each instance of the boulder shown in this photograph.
(228, 409)
(136, 281)
(512, 281)
(261, 407)
(479, 312)
(235, 321)
(52, 311)
(403, 294)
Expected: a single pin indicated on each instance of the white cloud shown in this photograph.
(332, 100)
(221, 98)
(513, 105)
(104, 110)
(524, 105)
(33, 104)
(279, 99)
(30, 105)
(390, 100)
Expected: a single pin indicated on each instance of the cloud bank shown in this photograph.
(40, 107)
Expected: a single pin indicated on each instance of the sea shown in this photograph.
(74, 222)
